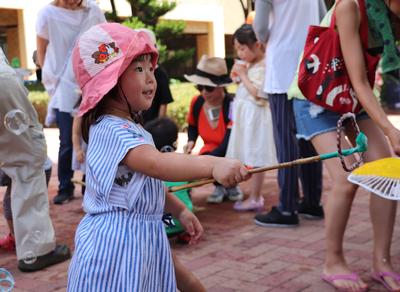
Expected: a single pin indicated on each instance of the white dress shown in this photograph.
(251, 140)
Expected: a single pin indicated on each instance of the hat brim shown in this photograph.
(199, 80)
(96, 88)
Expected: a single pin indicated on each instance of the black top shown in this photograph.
(163, 95)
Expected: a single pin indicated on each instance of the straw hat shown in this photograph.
(210, 71)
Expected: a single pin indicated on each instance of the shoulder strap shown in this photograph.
(197, 108)
(198, 105)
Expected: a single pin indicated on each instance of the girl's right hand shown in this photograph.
(230, 172)
(394, 138)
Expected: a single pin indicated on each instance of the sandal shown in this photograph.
(330, 279)
(380, 277)
(249, 205)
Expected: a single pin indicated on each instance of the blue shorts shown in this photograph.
(313, 120)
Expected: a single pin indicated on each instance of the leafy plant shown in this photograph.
(146, 14)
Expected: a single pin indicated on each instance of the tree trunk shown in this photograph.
(114, 10)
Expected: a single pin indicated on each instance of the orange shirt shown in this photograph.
(212, 137)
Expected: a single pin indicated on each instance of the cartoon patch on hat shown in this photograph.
(105, 52)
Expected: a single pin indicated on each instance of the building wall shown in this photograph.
(210, 20)
(21, 40)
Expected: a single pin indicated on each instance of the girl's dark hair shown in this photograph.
(245, 35)
(91, 117)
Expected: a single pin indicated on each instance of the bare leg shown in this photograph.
(185, 279)
(337, 211)
(256, 183)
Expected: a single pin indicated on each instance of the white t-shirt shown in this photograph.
(61, 27)
(290, 21)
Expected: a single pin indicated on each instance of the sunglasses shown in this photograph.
(207, 88)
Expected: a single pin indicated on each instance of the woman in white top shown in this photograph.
(58, 26)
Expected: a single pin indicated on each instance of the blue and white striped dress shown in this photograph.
(120, 244)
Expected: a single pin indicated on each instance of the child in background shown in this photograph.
(165, 134)
(8, 242)
(121, 243)
(251, 139)
(79, 147)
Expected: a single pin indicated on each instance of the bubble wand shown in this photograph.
(361, 146)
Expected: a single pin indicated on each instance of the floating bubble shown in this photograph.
(29, 257)
(37, 236)
(16, 121)
(6, 280)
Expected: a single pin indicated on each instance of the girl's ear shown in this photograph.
(260, 46)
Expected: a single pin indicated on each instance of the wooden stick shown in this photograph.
(254, 170)
(79, 182)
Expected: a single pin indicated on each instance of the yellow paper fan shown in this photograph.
(381, 177)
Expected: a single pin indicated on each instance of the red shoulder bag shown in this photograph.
(323, 78)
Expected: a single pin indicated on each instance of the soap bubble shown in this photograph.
(37, 237)
(29, 257)
(6, 280)
(16, 121)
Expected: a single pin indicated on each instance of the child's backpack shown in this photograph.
(184, 197)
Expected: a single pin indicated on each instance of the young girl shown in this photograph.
(319, 126)
(121, 243)
(251, 139)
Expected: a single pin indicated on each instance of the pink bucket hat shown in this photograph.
(100, 57)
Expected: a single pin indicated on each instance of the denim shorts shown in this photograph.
(313, 120)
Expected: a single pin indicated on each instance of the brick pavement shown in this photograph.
(234, 254)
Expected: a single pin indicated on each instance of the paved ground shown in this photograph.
(235, 254)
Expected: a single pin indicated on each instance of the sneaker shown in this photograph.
(249, 205)
(63, 197)
(276, 219)
(59, 254)
(8, 243)
(218, 195)
(311, 213)
(234, 194)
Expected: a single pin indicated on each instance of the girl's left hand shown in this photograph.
(192, 225)
(394, 138)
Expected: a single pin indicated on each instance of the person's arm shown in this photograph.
(162, 112)
(76, 139)
(263, 10)
(242, 71)
(220, 151)
(192, 131)
(41, 44)
(170, 166)
(348, 22)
